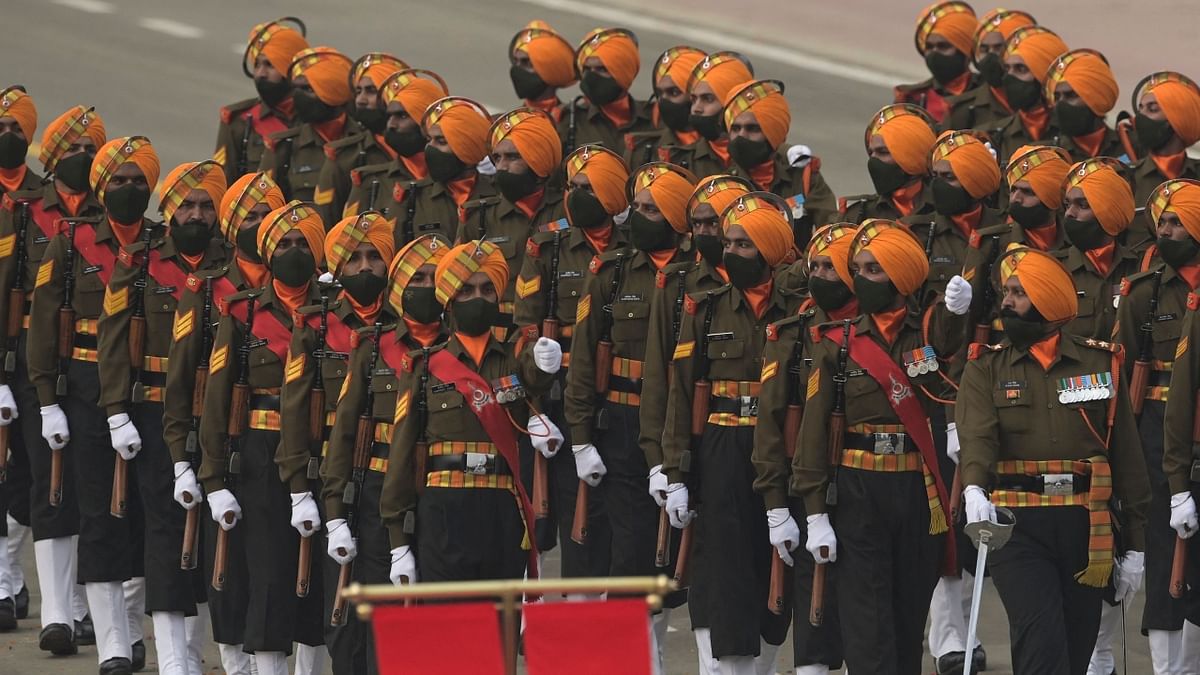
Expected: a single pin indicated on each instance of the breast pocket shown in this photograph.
(1013, 410)
(447, 412)
(1167, 331)
(510, 247)
(861, 386)
(1087, 305)
(384, 389)
(726, 349)
(88, 299)
(629, 323)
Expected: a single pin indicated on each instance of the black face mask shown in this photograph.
(829, 295)
(1022, 332)
(710, 248)
(526, 83)
(585, 209)
(1029, 216)
(294, 267)
(887, 177)
(247, 244)
(421, 305)
(515, 186)
(874, 296)
(745, 272)
(674, 115)
(312, 110)
(12, 150)
(272, 93)
(709, 126)
(950, 200)
(600, 90)
(127, 204)
(407, 143)
(443, 166)
(749, 154)
(73, 171)
(1075, 120)
(945, 67)
(1022, 94)
(1085, 235)
(191, 237)
(474, 317)
(374, 119)
(1177, 252)
(365, 287)
(649, 235)
(1152, 134)
(991, 68)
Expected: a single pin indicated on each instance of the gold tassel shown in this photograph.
(937, 518)
(1096, 574)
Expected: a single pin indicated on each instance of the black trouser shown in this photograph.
(47, 522)
(887, 568)
(812, 644)
(17, 481)
(469, 534)
(592, 558)
(632, 512)
(1162, 612)
(1052, 618)
(226, 607)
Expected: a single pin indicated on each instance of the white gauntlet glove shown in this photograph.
(588, 465)
(125, 437)
(677, 506)
(8, 406)
(958, 295)
(404, 566)
(547, 355)
(820, 534)
(305, 517)
(541, 432)
(54, 427)
(978, 507)
(1128, 570)
(658, 485)
(222, 503)
(784, 533)
(339, 543)
(187, 490)
(952, 442)
(1183, 514)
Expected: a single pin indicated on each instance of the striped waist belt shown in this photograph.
(85, 343)
(625, 381)
(381, 447)
(1158, 384)
(733, 403)
(880, 443)
(475, 463)
(1051, 484)
(264, 409)
(467, 466)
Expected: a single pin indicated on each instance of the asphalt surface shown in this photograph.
(163, 68)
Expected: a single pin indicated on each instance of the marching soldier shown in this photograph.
(542, 62)
(239, 474)
(18, 122)
(607, 61)
(1046, 427)
(245, 125)
(708, 85)
(1028, 55)
(1083, 90)
(898, 141)
(985, 103)
(672, 109)
(454, 441)
(944, 37)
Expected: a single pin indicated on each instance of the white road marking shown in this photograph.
(90, 6)
(172, 28)
(752, 48)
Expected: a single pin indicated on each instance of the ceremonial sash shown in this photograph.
(267, 326)
(95, 255)
(337, 333)
(265, 126)
(47, 221)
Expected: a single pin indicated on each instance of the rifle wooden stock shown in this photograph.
(198, 389)
(837, 436)
(221, 554)
(421, 450)
(16, 318)
(579, 525)
(956, 489)
(550, 328)
(66, 343)
(775, 600)
(662, 547)
(685, 554)
(541, 488)
(3, 453)
(56, 477)
(1138, 381)
(191, 528)
(239, 407)
(340, 604)
(791, 428)
(816, 607)
(316, 416)
(1178, 568)
(304, 565)
(117, 506)
(983, 333)
(137, 341)
(604, 357)
(701, 390)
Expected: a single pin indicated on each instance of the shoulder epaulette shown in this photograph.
(595, 265)
(1102, 345)
(229, 111)
(660, 279)
(777, 328)
(225, 304)
(977, 349)
(1193, 302)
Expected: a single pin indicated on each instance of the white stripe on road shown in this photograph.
(172, 28)
(753, 48)
(90, 6)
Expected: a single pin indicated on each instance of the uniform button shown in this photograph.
(630, 315)
(723, 355)
(443, 406)
(1049, 406)
(389, 387)
(166, 307)
(574, 293)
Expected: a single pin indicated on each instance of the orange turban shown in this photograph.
(275, 41)
(670, 186)
(180, 181)
(896, 248)
(113, 154)
(954, 21)
(415, 89)
(426, 250)
(765, 99)
(464, 124)
(907, 131)
(246, 193)
(345, 237)
(1002, 21)
(1045, 167)
(1089, 75)
(718, 192)
(18, 105)
(722, 71)
(377, 66)
(607, 173)
(68, 128)
(1037, 46)
(327, 71)
(1106, 190)
(1047, 283)
(1180, 196)
(759, 214)
(552, 56)
(466, 259)
(616, 48)
(534, 135)
(677, 63)
(1180, 101)
(972, 162)
(834, 241)
(295, 215)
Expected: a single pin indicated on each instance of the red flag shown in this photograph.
(437, 639)
(585, 638)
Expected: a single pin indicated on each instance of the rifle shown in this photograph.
(242, 159)
(410, 213)
(837, 431)
(118, 506)
(983, 325)
(1179, 558)
(66, 342)
(421, 448)
(191, 526)
(550, 322)
(282, 179)
(16, 294)
(1141, 367)
(372, 194)
(239, 410)
(664, 520)
(364, 440)
(791, 430)
(316, 436)
(701, 391)
(775, 601)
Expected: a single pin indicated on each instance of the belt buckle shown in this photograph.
(1196, 471)
(1058, 484)
(749, 406)
(888, 444)
(476, 463)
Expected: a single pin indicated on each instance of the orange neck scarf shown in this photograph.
(286, 108)
(999, 95)
(888, 322)
(1102, 258)
(193, 260)
(460, 189)
(291, 298)
(846, 311)
(1035, 121)
(759, 297)
(1043, 238)
(1170, 166)
(72, 201)
(905, 199)
(546, 105)
(1190, 274)
(1046, 350)
(763, 175)
(687, 137)
(382, 142)
(332, 129)
(959, 84)
(662, 258)
(126, 234)
(599, 237)
(475, 345)
(529, 204)
(367, 313)
(1090, 142)
(966, 222)
(11, 179)
(720, 148)
(619, 112)
(254, 274)
(423, 333)
(416, 165)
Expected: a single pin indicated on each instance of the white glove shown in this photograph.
(958, 295)
(8, 406)
(1183, 514)
(1128, 575)
(547, 355)
(658, 485)
(820, 533)
(486, 167)
(952, 442)
(305, 517)
(541, 432)
(54, 427)
(221, 503)
(339, 543)
(187, 490)
(677, 506)
(325, 278)
(588, 465)
(125, 437)
(404, 566)
(979, 507)
(784, 533)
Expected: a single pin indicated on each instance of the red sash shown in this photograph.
(880, 366)
(478, 393)
(267, 326)
(166, 273)
(96, 255)
(392, 352)
(265, 126)
(47, 221)
(337, 333)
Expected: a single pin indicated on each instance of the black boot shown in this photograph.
(116, 666)
(23, 603)
(138, 650)
(979, 659)
(85, 632)
(58, 639)
(8, 615)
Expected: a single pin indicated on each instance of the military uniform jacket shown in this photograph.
(1098, 296)
(502, 223)
(805, 185)
(984, 249)
(381, 187)
(1166, 324)
(425, 206)
(244, 125)
(583, 123)
(1144, 176)
(31, 181)
(1009, 134)
(945, 247)
(1179, 454)
(1009, 408)
(294, 158)
(857, 208)
(342, 156)
(930, 95)
(975, 108)
(450, 418)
